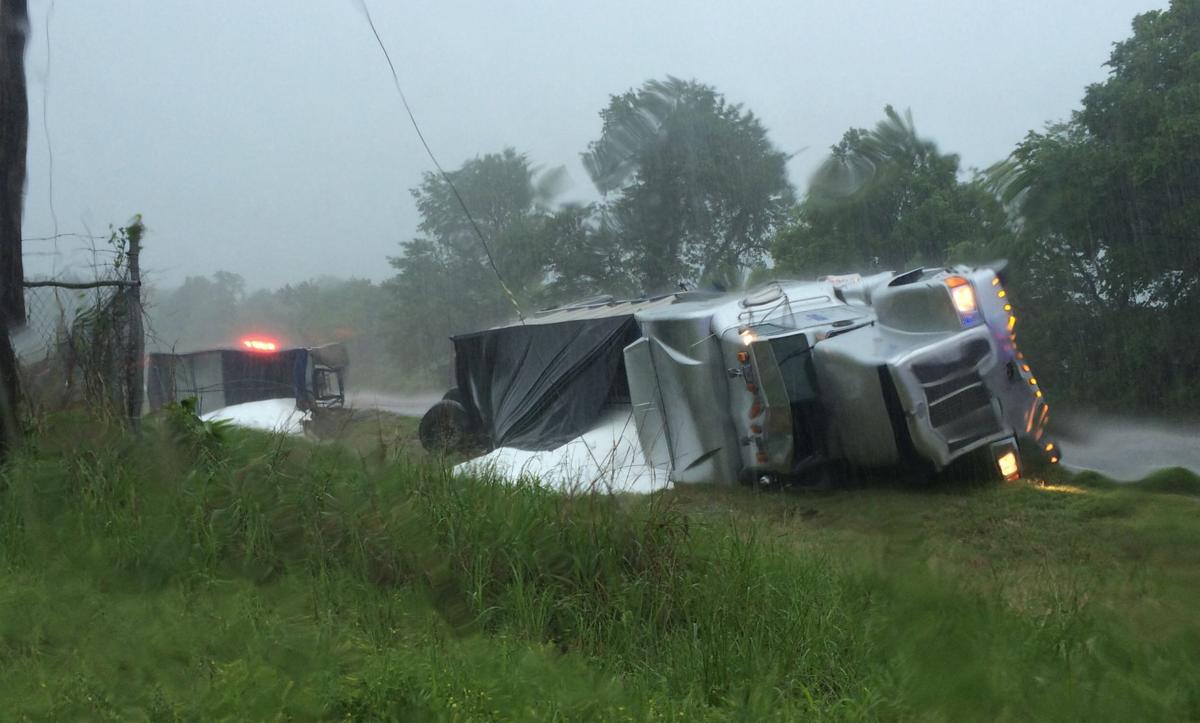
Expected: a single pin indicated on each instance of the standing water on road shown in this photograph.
(1127, 449)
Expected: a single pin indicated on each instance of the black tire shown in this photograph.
(445, 427)
(453, 395)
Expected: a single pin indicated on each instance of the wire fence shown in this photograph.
(83, 342)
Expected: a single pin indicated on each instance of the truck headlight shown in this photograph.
(963, 295)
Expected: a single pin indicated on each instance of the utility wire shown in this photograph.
(57, 236)
(432, 157)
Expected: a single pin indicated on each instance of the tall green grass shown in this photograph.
(204, 572)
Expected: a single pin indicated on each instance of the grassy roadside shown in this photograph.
(211, 573)
(1072, 542)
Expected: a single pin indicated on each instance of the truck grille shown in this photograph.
(960, 405)
(947, 409)
(934, 370)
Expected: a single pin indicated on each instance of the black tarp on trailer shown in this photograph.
(536, 386)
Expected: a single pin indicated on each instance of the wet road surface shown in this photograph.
(406, 405)
(1126, 449)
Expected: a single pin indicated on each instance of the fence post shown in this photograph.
(134, 371)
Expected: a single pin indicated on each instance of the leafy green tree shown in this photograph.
(445, 282)
(1108, 206)
(698, 188)
(587, 256)
(888, 199)
(509, 206)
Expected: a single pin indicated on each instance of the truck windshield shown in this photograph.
(327, 387)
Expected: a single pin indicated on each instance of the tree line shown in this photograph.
(1098, 216)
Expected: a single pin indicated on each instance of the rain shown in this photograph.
(599, 361)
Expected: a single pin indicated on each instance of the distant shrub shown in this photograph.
(1174, 480)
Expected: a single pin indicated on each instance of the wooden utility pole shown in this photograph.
(135, 334)
(14, 132)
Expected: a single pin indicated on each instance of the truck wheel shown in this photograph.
(444, 427)
(453, 395)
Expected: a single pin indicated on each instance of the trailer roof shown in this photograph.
(605, 307)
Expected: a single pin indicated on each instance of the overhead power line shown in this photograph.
(445, 176)
(57, 236)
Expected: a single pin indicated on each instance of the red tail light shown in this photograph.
(264, 345)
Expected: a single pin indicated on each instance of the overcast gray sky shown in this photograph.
(265, 137)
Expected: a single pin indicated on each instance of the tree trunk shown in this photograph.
(10, 430)
(14, 129)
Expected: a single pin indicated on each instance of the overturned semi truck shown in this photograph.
(795, 381)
